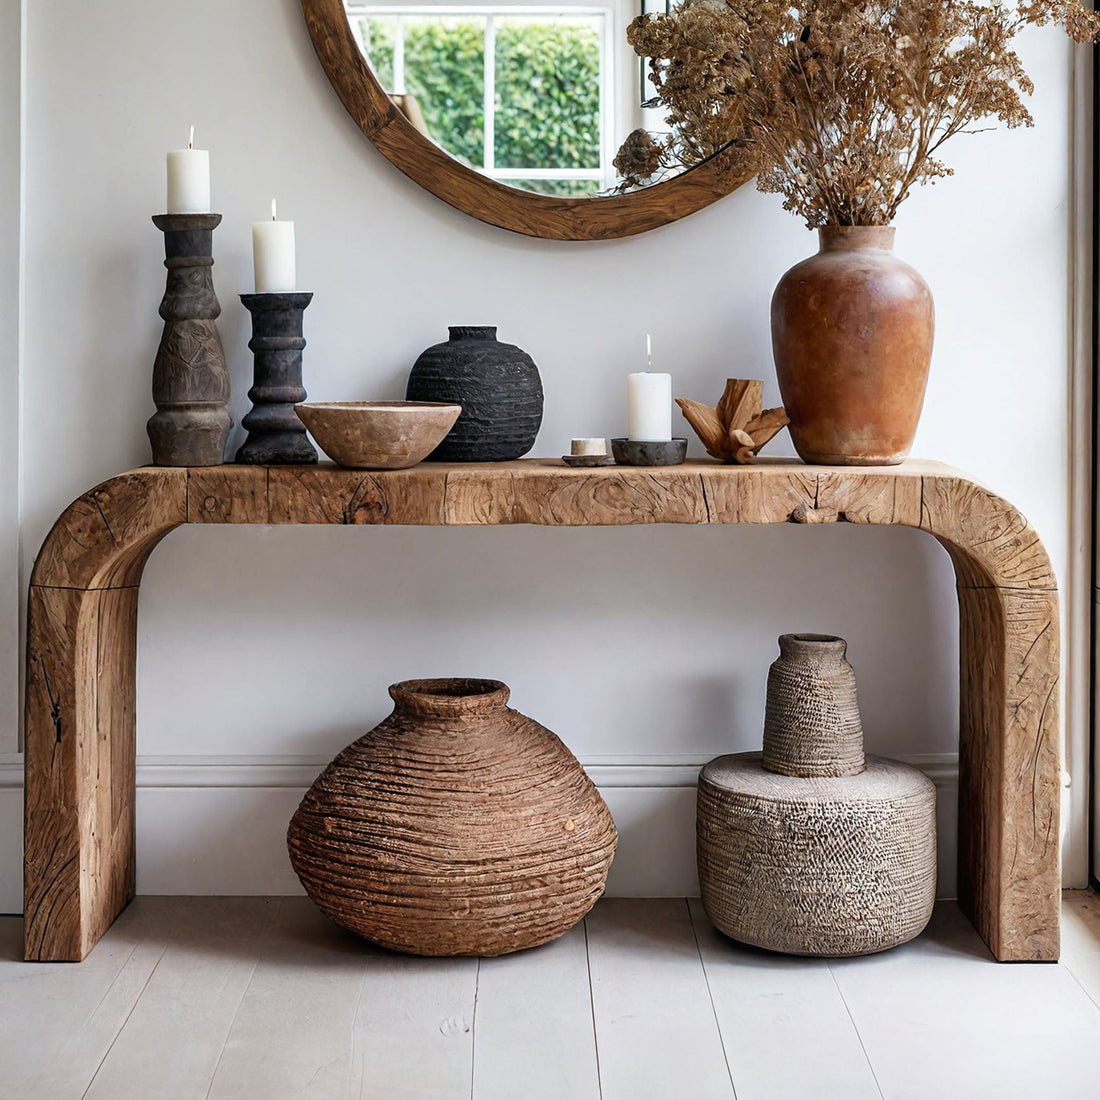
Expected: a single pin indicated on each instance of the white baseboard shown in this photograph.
(11, 841)
(216, 825)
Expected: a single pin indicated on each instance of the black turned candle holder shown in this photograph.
(276, 437)
(190, 379)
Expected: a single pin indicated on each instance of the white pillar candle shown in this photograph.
(189, 180)
(588, 447)
(649, 406)
(273, 256)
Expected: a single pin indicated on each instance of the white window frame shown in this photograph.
(604, 10)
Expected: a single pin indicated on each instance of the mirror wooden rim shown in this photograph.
(563, 219)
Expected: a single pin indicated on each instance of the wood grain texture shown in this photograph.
(103, 538)
(79, 691)
(989, 540)
(53, 922)
(79, 813)
(562, 496)
(1010, 769)
(756, 495)
(475, 194)
(330, 495)
(227, 494)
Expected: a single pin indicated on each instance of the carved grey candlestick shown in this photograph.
(276, 436)
(190, 380)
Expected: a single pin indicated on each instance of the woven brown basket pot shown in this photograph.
(809, 847)
(456, 827)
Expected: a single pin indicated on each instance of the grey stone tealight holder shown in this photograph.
(190, 379)
(649, 452)
(276, 437)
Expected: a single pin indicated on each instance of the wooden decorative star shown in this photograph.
(737, 427)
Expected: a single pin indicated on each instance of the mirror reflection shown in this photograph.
(534, 96)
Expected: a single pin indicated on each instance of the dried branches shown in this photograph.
(841, 107)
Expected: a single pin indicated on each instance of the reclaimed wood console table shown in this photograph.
(82, 646)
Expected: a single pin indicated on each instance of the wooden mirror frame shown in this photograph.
(562, 219)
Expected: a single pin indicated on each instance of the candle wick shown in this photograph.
(273, 210)
(191, 139)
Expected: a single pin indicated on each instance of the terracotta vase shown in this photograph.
(455, 827)
(852, 335)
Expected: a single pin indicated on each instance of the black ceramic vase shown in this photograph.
(498, 387)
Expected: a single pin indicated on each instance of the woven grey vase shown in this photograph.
(809, 847)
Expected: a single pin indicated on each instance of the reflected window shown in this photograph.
(521, 92)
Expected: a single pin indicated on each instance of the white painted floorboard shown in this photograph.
(263, 999)
(291, 1036)
(938, 1018)
(414, 1031)
(57, 1021)
(209, 955)
(787, 1031)
(534, 1036)
(1081, 939)
(655, 1027)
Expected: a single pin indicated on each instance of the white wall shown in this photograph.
(10, 217)
(257, 644)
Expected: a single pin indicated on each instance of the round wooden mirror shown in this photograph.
(515, 198)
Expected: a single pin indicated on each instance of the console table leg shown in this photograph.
(79, 839)
(1009, 773)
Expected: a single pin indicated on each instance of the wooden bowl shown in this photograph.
(377, 435)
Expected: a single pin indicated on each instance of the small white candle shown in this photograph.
(273, 256)
(588, 447)
(189, 179)
(649, 403)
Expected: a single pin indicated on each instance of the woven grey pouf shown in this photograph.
(808, 848)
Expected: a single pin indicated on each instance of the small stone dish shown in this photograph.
(588, 460)
(649, 452)
(377, 435)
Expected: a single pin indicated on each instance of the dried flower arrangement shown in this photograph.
(839, 106)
